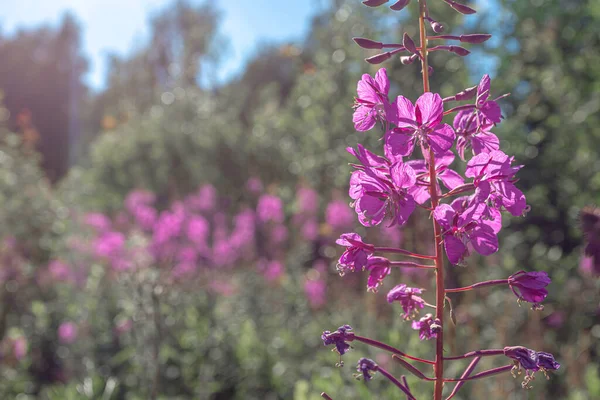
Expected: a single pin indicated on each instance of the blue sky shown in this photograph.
(120, 26)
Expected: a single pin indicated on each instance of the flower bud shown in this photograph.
(407, 60)
(409, 44)
(466, 94)
(367, 43)
(379, 58)
(374, 3)
(461, 8)
(437, 27)
(399, 5)
(461, 51)
(475, 38)
(365, 366)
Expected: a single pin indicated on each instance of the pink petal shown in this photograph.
(406, 113)
(364, 118)
(366, 89)
(399, 143)
(383, 84)
(485, 143)
(370, 210)
(455, 249)
(403, 175)
(483, 90)
(491, 110)
(407, 207)
(451, 179)
(512, 199)
(484, 240)
(444, 215)
(441, 139)
(432, 109)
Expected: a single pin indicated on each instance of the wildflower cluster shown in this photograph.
(414, 170)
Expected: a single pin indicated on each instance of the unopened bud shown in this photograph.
(461, 8)
(407, 60)
(475, 38)
(461, 51)
(399, 5)
(367, 43)
(409, 44)
(379, 58)
(466, 94)
(436, 326)
(374, 3)
(437, 27)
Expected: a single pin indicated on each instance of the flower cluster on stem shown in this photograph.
(414, 169)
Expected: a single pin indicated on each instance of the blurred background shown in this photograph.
(173, 177)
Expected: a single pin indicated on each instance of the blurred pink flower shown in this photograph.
(308, 201)
(315, 291)
(339, 215)
(123, 326)
(19, 347)
(109, 244)
(97, 221)
(254, 186)
(67, 332)
(59, 271)
(272, 270)
(205, 199)
(270, 208)
(310, 229)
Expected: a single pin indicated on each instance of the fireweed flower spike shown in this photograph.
(530, 287)
(387, 189)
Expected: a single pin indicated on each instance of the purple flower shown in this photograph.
(424, 326)
(470, 134)
(526, 358)
(67, 332)
(97, 221)
(339, 338)
(379, 268)
(310, 229)
(381, 192)
(109, 245)
(308, 201)
(365, 366)
(493, 175)
(356, 254)
(530, 286)
(487, 110)
(270, 208)
(451, 179)
(315, 291)
(372, 103)
(462, 227)
(254, 185)
(197, 230)
(422, 124)
(546, 362)
(338, 215)
(408, 298)
(60, 271)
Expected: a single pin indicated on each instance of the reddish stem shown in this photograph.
(389, 348)
(326, 396)
(477, 353)
(404, 252)
(478, 285)
(483, 374)
(396, 382)
(407, 264)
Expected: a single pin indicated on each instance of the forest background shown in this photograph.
(165, 237)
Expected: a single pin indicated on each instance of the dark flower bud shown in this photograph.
(530, 286)
(461, 8)
(475, 38)
(461, 51)
(437, 27)
(466, 94)
(367, 43)
(399, 5)
(365, 366)
(374, 3)
(409, 44)
(379, 58)
(407, 60)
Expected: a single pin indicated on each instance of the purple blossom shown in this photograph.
(420, 124)
(379, 268)
(97, 221)
(546, 361)
(487, 110)
(530, 286)
(451, 179)
(168, 226)
(205, 199)
(109, 245)
(310, 229)
(339, 338)
(272, 270)
(315, 291)
(270, 209)
(408, 299)
(308, 201)
(462, 227)
(372, 103)
(381, 192)
(338, 215)
(356, 255)
(526, 358)
(424, 326)
(254, 185)
(493, 175)
(471, 135)
(60, 271)
(365, 366)
(67, 332)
